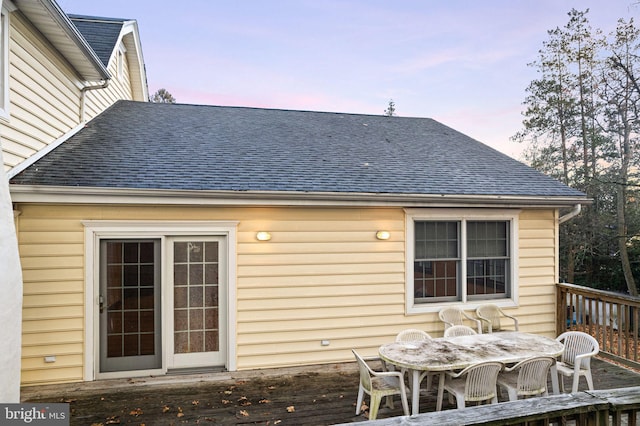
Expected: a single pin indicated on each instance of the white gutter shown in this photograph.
(573, 213)
(83, 195)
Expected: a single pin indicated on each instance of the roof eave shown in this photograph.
(85, 195)
(56, 26)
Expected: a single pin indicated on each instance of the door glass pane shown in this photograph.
(130, 294)
(195, 294)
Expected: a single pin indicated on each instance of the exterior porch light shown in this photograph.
(383, 235)
(263, 236)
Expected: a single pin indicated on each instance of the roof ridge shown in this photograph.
(103, 19)
(357, 114)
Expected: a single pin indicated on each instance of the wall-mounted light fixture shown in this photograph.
(383, 235)
(263, 236)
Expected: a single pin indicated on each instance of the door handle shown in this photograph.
(101, 303)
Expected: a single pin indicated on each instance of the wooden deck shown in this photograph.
(315, 395)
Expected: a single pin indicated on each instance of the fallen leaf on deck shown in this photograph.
(243, 401)
(226, 401)
(264, 401)
(165, 408)
(195, 402)
(137, 412)
(291, 409)
(244, 413)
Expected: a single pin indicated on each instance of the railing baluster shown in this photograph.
(612, 318)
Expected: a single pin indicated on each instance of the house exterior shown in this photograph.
(56, 72)
(164, 238)
(157, 238)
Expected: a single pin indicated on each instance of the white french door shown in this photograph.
(195, 302)
(129, 305)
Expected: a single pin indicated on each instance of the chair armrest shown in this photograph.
(478, 324)
(382, 362)
(397, 374)
(486, 320)
(578, 359)
(514, 319)
(475, 320)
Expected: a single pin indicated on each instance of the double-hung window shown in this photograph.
(460, 256)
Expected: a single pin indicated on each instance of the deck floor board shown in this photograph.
(312, 395)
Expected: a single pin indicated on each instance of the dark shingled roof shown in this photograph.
(101, 33)
(192, 147)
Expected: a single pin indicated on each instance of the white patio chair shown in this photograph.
(476, 383)
(575, 361)
(527, 378)
(459, 330)
(455, 316)
(490, 315)
(415, 335)
(412, 335)
(378, 385)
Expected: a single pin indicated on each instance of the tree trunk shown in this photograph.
(571, 263)
(622, 242)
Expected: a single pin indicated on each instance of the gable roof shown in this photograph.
(174, 147)
(102, 34)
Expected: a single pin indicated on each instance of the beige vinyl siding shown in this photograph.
(51, 252)
(538, 265)
(322, 276)
(43, 96)
(99, 100)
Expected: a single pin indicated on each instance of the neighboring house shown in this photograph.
(55, 73)
(165, 238)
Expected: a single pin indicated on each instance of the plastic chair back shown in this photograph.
(412, 335)
(533, 374)
(459, 330)
(481, 381)
(578, 343)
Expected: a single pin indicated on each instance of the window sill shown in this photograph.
(427, 308)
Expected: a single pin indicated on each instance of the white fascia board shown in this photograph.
(54, 23)
(131, 27)
(73, 195)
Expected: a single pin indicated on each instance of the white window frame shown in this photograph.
(96, 230)
(460, 215)
(120, 57)
(6, 9)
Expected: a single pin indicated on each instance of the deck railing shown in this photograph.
(597, 408)
(612, 318)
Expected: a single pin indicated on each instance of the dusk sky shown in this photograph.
(461, 62)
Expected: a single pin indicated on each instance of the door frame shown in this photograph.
(95, 230)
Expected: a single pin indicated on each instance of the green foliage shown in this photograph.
(162, 96)
(391, 109)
